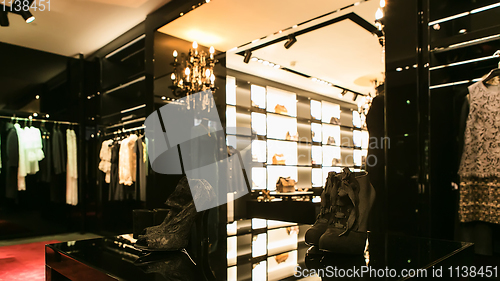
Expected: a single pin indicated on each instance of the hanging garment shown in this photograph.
(71, 169)
(115, 188)
(480, 163)
(105, 156)
(58, 151)
(45, 163)
(128, 160)
(142, 167)
(22, 171)
(33, 147)
(11, 160)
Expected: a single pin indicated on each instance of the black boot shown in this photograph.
(351, 204)
(314, 232)
(174, 232)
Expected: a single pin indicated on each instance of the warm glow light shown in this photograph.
(212, 50)
(175, 53)
(163, 98)
(382, 3)
(212, 78)
(195, 45)
(379, 14)
(37, 97)
(172, 76)
(207, 73)
(188, 71)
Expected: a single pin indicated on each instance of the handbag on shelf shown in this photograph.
(335, 162)
(278, 159)
(285, 185)
(281, 109)
(335, 121)
(281, 258)
(290, 137)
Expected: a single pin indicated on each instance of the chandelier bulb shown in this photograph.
(382, 3)
(175, 53)
(195, 45)
(207, 73)
(212, 50)
(172, 76)
(379, 14)
(212, 78)
(188, 71)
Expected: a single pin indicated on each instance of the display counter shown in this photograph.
(113, 259)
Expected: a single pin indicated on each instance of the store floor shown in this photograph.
(24, 258)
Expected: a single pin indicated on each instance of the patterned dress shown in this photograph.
(480, 164)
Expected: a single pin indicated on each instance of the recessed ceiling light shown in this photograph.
(277, 66)
(261, 61)
(254, 59)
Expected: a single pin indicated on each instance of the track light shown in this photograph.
(355, 97)
(344, 91)
(291, 40)
(248, 56)
(27, 16)
(4, 20)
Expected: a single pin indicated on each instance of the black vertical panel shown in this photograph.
(401, 117)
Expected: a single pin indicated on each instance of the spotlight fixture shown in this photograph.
(355, 97)
(27, 16)
(248, 56)
(344, 91)
(4, 20)
(291, 40)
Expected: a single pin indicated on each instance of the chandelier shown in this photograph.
(193, 73)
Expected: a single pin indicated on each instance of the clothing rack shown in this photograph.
(127, 122)
(125, 130)
(495, 55)
(38, 120)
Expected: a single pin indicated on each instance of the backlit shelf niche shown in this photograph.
(267, 117)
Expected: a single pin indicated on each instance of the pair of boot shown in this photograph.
(174, 232)
(341, 226)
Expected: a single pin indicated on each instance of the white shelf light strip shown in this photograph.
(125, 46)
(464, 62)
(473, 42)
(455, 83)
(485, 8)
(482, 9)
(133, 108)
(126, 84)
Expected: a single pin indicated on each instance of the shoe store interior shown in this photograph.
(260, 140)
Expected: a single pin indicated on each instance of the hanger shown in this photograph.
(494, 72)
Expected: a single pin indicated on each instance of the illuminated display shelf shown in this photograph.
(290, 136)
(284, 138)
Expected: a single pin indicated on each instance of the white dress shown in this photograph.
(21, 172)
(71, 169)
(105, 155)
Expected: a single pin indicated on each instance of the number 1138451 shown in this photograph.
(17, 6)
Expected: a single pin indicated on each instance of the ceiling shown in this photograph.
(342, 53)
(77, 26)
